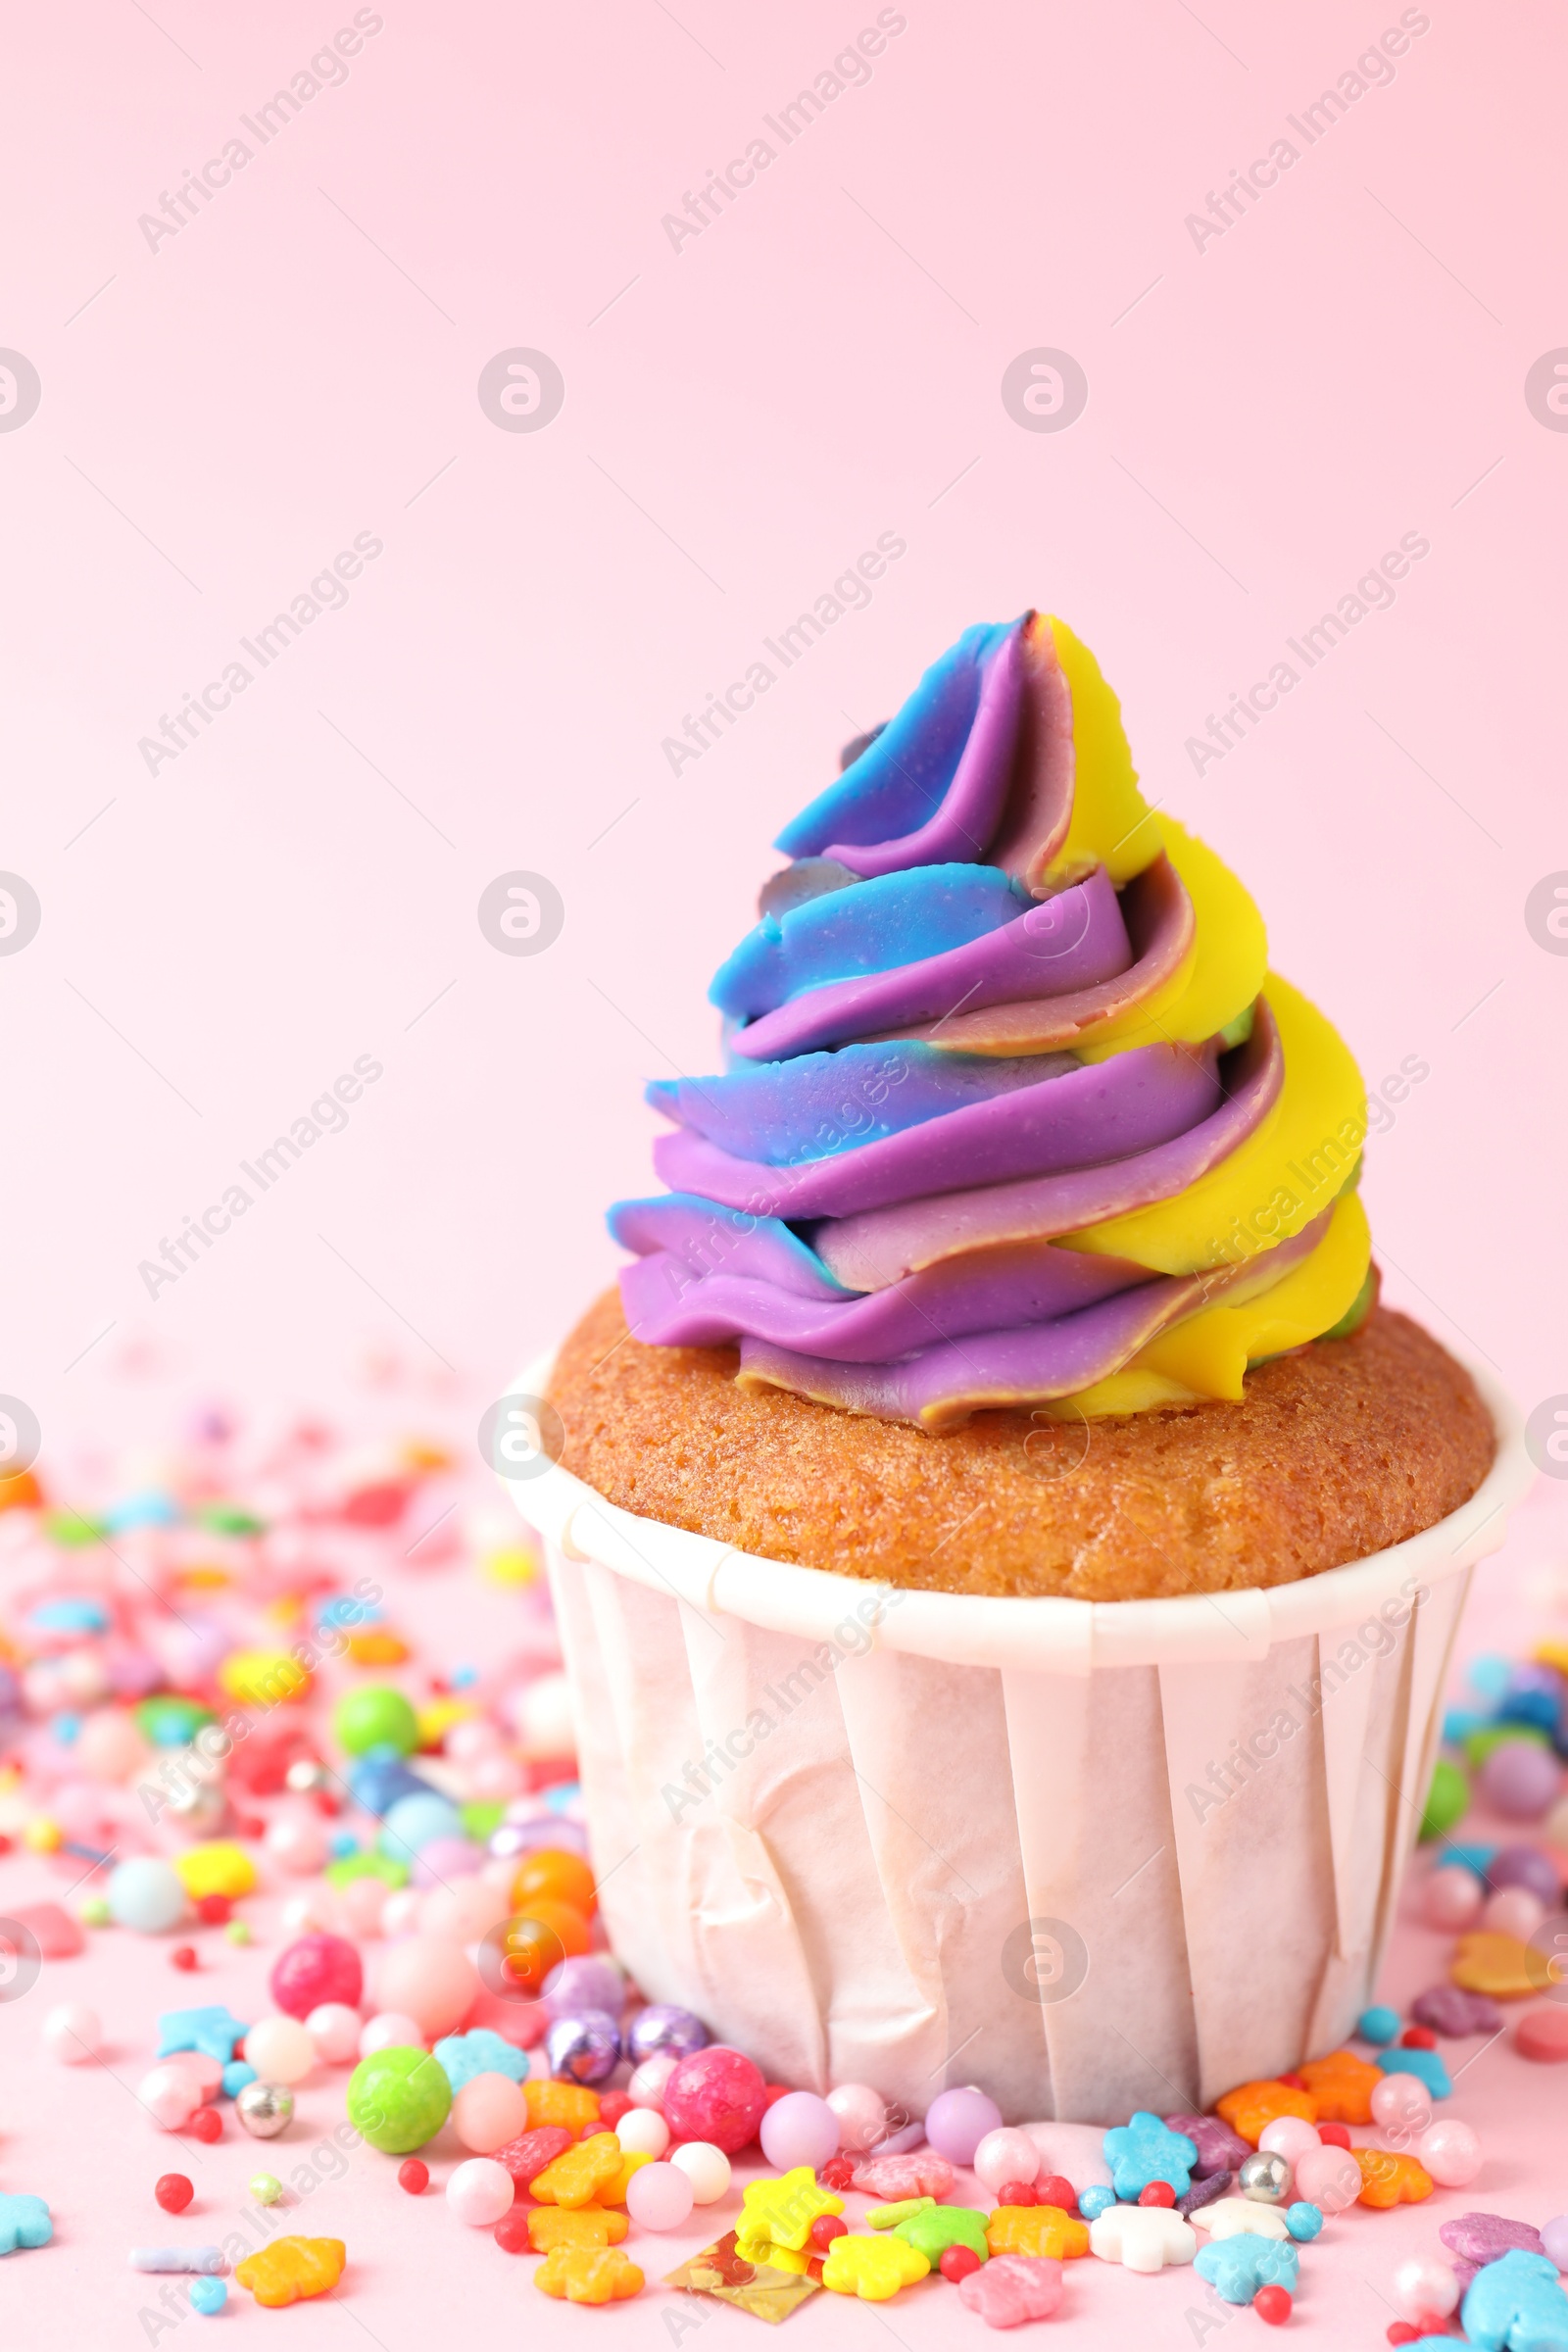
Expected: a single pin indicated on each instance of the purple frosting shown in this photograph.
(875, 1201)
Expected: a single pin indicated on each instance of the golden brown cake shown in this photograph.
(1333, 1453)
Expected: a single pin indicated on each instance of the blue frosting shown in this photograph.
(875, 927)
(898, 781)
(784, 1112)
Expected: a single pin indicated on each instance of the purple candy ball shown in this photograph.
(662, 2030)
(1554, 2240)
(1528, 1867)
(957, 2121)
(591, 1981)
(584, 2047)
(799, 2128)
(1520, 1780)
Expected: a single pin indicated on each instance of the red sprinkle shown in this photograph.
(512, 2230)
(837, 2174)
(612, 2105)
(772, 2093)
(1294, 2083)
(1055, 2188)
(213, 1910)
(183, 1955)
(1018, 2192)
(826, 2229)
(205, 2123)
(1273, 2304)
(1418, 2037)
(173, 2191)
(415, 2177)
(1401, 2332)
(957, 2262)
(1158, 2193)
(1334, 2135)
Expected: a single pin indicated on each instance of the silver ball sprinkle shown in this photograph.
(264, 2109)
(1265, 2177)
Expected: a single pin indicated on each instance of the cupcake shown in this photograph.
(1005, 1553)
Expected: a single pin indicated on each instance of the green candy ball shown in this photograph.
(1446, 1799)
(398, 2099)
(375, 1717)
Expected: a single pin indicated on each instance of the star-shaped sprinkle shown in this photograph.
(1038, 2229)
(291, 2270)
(779, 2212)
(462, 2056)
(210, 2032)
(1516, 2305)
(588, 2274)
(1237, 2267)
(872, 2268)
(1013, 2288)
(23, 2221)
(1143, 2237)
(932, 2230)
(1241, 2217)
(1145, 2149)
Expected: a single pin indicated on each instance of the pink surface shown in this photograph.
(223, 412)
(74, 2136)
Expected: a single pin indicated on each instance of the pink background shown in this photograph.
(742, 417)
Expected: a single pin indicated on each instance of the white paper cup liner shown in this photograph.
(1090, 1856)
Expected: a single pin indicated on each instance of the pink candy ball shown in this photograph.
(488, 2111)
(714, 2095)
(390, 2029)
(434, 1980)
(1289, 2136)
(108, 1746)
(1328, 2178)
(314, 1971)
(1425, 2288)
(1451, 1899)
(334, 2028)
(863, 2115)
(361, 1902)
(799, 2128)
(658, 2196)
(1450, 2153)
(1401, 2103)
(280, 2049)
(646, 2085)
(73, 2034)
(1005, 2155)
(1513, 1911)
(298, 1843)
(480, 2192)
(170, 2096)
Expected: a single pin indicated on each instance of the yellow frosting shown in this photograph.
(1111, 822)
(1207, 1354)
(1287, 1171)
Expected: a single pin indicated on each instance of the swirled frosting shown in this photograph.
(1013, 1112)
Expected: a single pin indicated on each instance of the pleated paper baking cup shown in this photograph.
(1091, 1856)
